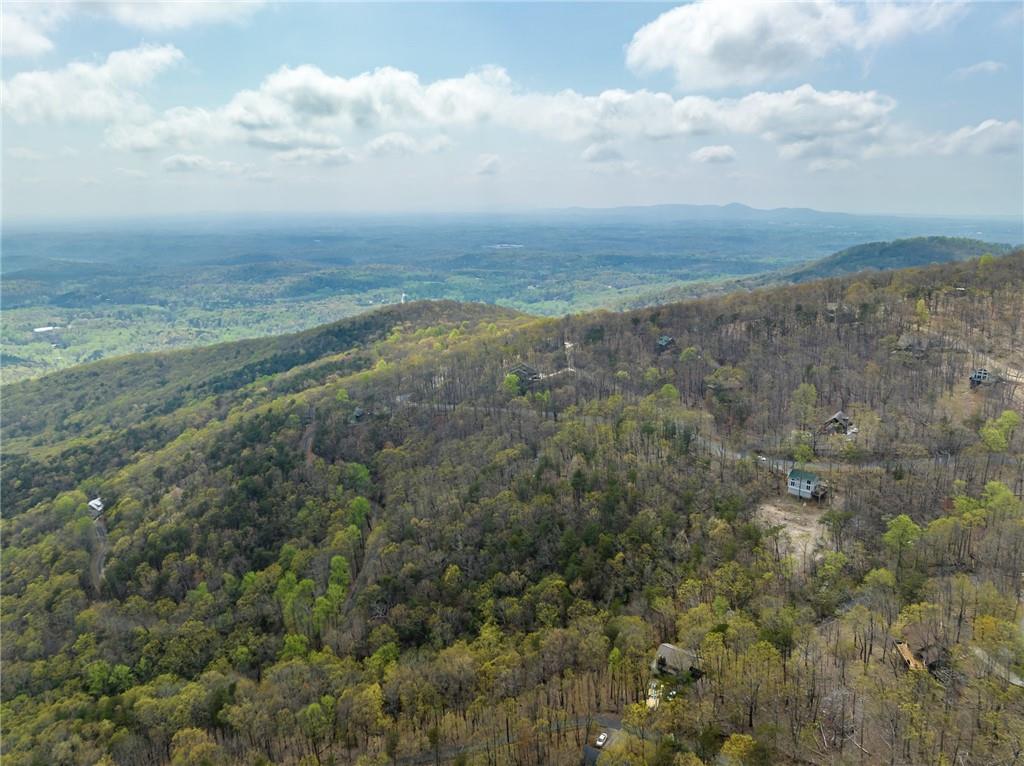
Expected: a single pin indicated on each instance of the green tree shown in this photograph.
(804, 403)
(901, 534)
(511, 385)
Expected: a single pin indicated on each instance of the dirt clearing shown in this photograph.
(801, 522)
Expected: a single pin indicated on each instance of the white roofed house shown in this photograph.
(95, 507)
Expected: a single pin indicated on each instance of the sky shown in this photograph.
(127, 109)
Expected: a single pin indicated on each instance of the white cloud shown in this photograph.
(988, 137)
(488, 165)
(398, 144)
(153, 16)
(720, 153)
(180, 127)
(711, 44)
(303, 115)
(601, 152)
(132, 173)
(305, 108)
(27, 25)
(186, 163)
(829, 165)
(90, 92)
(304, 156)
(198, 163)
(23, 34)
(982, 67)
(25, 153)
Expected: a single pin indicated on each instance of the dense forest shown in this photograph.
(453, 533)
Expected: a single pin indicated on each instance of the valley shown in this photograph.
(73, 295)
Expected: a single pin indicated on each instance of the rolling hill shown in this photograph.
(898, 254)
(372, 542)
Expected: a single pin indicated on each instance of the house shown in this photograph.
(524, 372)
(673, 661)
(840, 423)
(806, 485)
(95, 507)
(665, 342)
(980, 376)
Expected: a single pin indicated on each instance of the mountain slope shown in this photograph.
(898, 254)
(372, 544)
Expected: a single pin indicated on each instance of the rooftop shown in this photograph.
(802, 475)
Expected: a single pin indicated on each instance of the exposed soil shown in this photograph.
(801, 521)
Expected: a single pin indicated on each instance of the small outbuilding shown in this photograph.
(95, 507)
(806, 485)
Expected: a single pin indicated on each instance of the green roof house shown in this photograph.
(806, 485)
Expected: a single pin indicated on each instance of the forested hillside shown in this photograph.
(446, 533)
(902, 253)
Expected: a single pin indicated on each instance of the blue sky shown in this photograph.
(139, 109)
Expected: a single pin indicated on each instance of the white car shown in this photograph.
(601, 739)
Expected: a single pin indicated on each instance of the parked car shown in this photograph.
(601, 739)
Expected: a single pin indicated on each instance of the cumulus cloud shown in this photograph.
(180, 127)
(25, 30)
(488, 165)
(988, 137)
(27, 26)
(305, 108)
(90, 92)
(982, 67)
(198, 163)
(303, 115)
(398, 144)
(325, 157)
(721, 154)
(710, 44)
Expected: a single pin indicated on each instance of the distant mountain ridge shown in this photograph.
(898, 254)
(877, 256)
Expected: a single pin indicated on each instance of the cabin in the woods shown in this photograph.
(665, 342)
(840, 423)
(524, 372)
(980, 376)
(95, 507)
(806, 485)
(670, 660)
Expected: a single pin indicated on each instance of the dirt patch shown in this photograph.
(802, 524)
